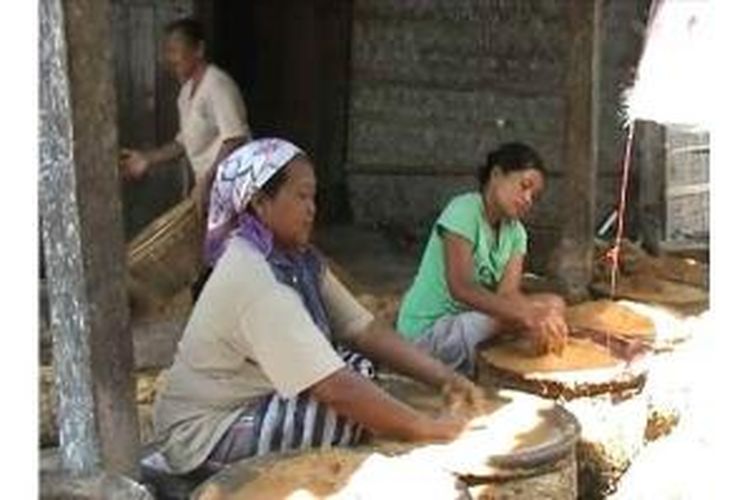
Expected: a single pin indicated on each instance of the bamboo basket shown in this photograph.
(165, 258)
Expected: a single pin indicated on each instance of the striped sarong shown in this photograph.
(273, 424)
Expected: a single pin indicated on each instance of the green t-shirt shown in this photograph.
(429, 299)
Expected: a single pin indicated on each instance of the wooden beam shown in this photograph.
(83, 239)
(574, 256)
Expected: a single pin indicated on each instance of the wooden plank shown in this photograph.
(705, 149)
(688, 190)
(84, 246)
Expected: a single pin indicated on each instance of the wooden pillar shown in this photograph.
(83, 240)
(574, 256)
(650, 163)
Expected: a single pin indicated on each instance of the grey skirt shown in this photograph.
(454, 339)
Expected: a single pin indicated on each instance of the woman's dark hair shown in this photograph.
(188, 28)
(510, 157)
(270, 188)
(273, 185)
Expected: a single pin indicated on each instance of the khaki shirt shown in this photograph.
(248, 335)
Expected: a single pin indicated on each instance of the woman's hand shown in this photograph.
(358, 398)
(543, 324)
(548, 331)
(463, 397)
(133, 163)
(444, 428)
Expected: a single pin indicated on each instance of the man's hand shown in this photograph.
(133, 163)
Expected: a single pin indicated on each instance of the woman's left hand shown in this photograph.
(462, 396)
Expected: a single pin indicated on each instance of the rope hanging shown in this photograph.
(613, 255)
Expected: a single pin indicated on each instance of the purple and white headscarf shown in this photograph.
(237, 179)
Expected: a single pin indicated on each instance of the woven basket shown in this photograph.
(165, 257)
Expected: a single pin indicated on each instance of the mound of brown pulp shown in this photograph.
(579, 354)
(609, 317)
(315, 475)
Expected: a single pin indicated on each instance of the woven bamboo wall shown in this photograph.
(437, 84)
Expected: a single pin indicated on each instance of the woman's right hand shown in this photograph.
(546, 327)
(443, 428)
(133, 163)
(550, 333)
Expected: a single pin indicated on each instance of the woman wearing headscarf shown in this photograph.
(276, 354)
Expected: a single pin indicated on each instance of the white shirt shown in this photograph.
(213, 114)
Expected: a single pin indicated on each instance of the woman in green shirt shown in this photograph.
(468, 287)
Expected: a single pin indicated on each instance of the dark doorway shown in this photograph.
(291, 60)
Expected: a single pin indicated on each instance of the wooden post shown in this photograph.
(83, 240)
(573, 264)
(651, 169)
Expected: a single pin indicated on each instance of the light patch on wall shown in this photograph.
(673, 82)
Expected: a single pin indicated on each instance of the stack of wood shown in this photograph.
(147, 385)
